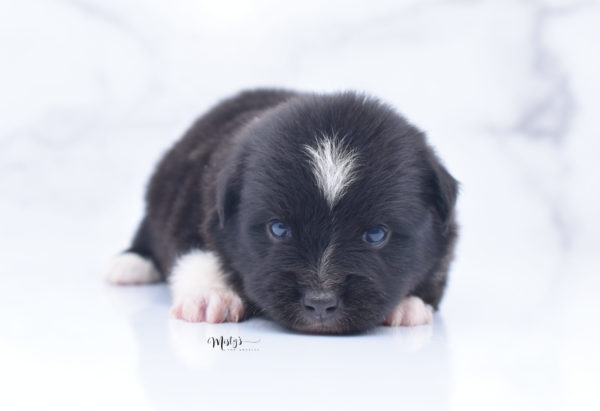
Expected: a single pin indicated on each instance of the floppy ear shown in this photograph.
(229, 185)
(443, 188)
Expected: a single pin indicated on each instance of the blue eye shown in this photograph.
(375, 235)
(279, 229)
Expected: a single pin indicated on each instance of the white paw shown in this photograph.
(213, 305)
(409, 312)
(200, 291)
(130, 268)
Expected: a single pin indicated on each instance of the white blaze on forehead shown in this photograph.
(333, 166)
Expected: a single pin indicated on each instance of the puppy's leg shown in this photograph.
(200, 290)
(418, 307)
(134, 266)
(131, 268)
(410, 311)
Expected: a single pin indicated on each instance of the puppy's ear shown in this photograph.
(229, 185)
(442, 188)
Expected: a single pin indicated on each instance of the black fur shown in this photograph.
(243, 164)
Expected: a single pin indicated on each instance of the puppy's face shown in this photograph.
(333, 209)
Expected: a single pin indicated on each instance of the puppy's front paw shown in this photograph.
(212, 305)
(409, 312)
(200, 292)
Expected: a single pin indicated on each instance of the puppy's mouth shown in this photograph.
(336, 323)
(313, 326)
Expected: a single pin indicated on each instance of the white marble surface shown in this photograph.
(92, 92)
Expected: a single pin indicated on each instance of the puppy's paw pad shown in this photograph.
(213, 305)
(410, 312)
(130, 268)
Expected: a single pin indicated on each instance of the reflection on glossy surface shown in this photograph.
(273, 365)
(94, 91)
(367, 370)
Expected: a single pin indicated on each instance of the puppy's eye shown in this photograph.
(279, 229)
(375, 235)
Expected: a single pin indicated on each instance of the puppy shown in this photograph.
(325, 213)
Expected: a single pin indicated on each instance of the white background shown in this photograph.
(92, 92)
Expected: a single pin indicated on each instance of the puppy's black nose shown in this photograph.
(320, 304)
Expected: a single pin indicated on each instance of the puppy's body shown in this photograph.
(181, 197)
(327, 213)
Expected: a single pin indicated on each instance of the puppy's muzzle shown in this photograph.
(320, 305)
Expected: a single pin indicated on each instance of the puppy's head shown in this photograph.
(333, 208)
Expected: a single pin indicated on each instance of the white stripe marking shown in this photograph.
(333, 166)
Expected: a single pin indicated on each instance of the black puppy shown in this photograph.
(326, 213)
